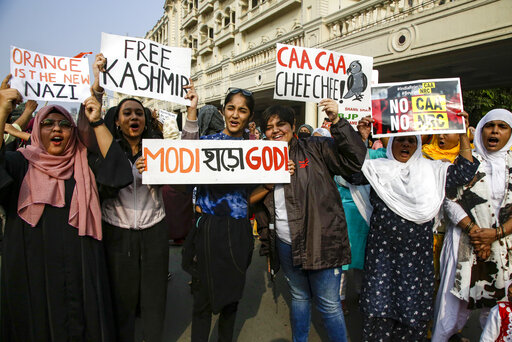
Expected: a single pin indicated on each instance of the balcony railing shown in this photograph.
(225, 35)
(370, 13)
(265, 12)
(190, 18)
(206, 46)
(205, 6)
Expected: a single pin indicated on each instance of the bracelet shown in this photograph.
(468, 227)
(96, 123)
(500, 233)
(466, 149)
(268, 189)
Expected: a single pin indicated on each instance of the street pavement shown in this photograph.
(263, 312)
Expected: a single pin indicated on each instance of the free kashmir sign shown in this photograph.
(215, 161)
(141, 67)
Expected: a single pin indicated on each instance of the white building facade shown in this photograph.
(233, 42)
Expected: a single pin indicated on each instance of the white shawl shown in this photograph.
(494, 162)
(413, 190)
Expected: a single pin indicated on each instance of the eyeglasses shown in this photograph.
(240, 90)
(47, 123)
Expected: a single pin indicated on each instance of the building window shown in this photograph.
(254, 3)
(210, 32)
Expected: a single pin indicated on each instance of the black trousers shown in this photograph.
(138, 262)
(202, 316)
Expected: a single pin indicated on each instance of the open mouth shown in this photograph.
(277, 137)
(493, 141)
(57, 140)
(405, 152)
(134, 125)
(234, 123)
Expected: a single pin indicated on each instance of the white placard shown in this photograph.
(310, 75)
(163, 115)
(49, 78)
(142, 67)
(215, 161)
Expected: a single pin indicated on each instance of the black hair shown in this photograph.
(148, 133)
(285, 113)
(249, 100)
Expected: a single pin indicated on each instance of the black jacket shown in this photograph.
(315, 214)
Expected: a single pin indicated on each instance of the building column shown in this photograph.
(311, 114)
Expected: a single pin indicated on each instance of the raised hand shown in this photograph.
(330, 107)
(364, 127)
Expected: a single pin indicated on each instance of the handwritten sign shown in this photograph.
(310, 75)
(163, 115)
(49, 78)
(215, 161)
(141, 67)
(417, 107)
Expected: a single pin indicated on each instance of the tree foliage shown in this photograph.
(478, 102)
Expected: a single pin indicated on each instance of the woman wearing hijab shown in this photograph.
(407, 192)
(477, 256)
(443, 147)
(322, 132)
(305, 131)
(54, 279)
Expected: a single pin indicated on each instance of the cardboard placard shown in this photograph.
(215, 161)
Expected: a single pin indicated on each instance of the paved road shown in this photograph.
(260, 318)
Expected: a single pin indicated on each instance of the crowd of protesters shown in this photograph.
(424, 222)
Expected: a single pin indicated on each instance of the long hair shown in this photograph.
(148, 133)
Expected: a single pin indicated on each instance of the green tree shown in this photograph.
(478, 102)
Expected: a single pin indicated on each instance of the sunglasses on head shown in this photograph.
(51, 122)
(240, 90)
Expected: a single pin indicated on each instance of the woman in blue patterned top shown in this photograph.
(218, 251)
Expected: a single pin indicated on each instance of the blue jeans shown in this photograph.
(321, 285)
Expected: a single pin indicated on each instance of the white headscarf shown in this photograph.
(323, 132)
(413, 190)
(494, 163)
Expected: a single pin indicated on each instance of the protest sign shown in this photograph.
(215, 161)
(163, 115)
(49, 78)
(141, 67)
(417, 107)
(310, 75)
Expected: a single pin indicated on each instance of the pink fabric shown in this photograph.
(377, 144)
(44, 182)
